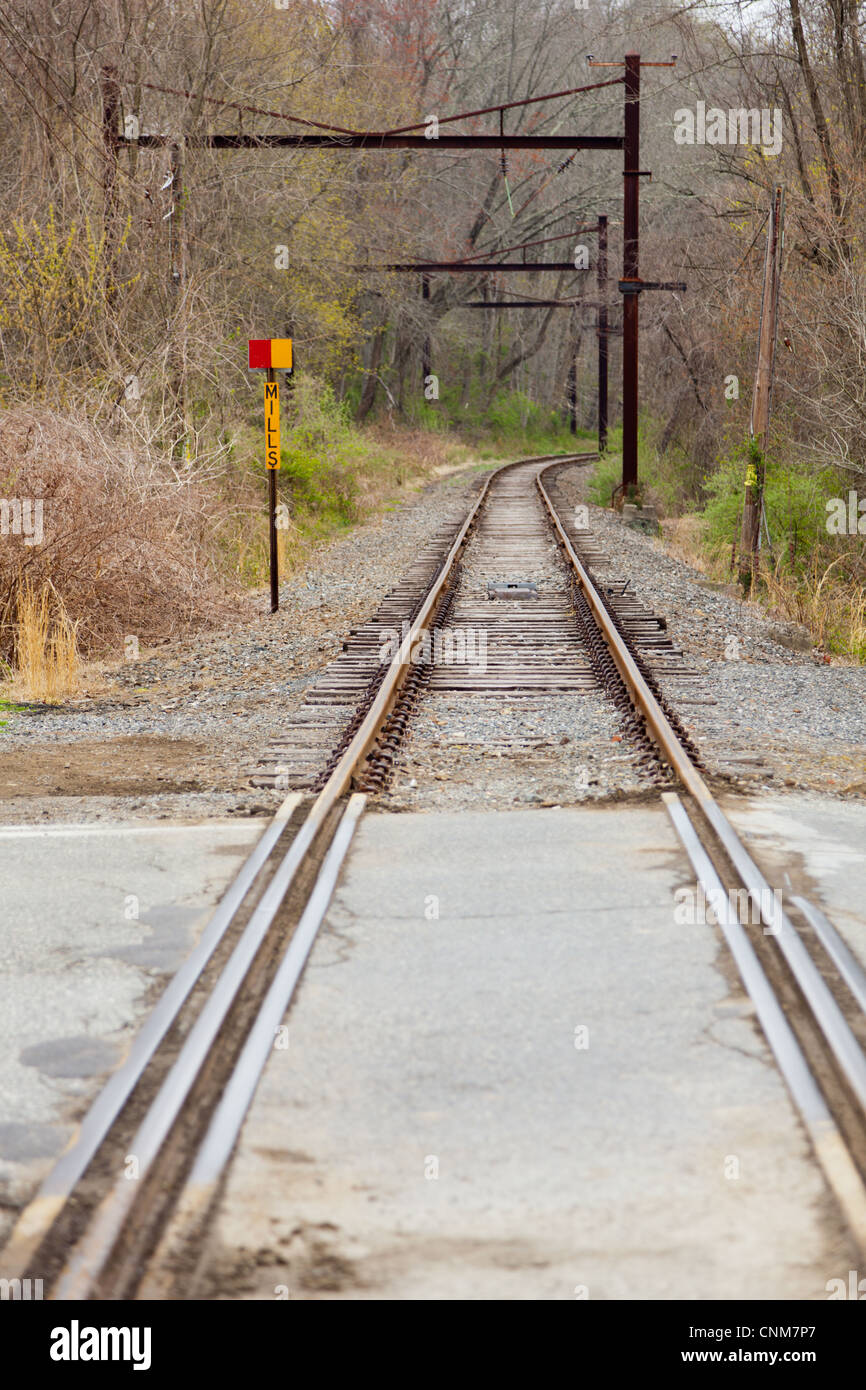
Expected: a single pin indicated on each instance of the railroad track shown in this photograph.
(126, 1210)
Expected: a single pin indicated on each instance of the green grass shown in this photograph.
(7, 707)
(805, 574)
(332, 473)
(510, 426)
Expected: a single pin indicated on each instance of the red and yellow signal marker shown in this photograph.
(271, 352)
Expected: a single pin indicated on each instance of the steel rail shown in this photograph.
(829, 1145)
(828, 1015)
(658, 724)
(826, 1011)
(38, 1217)
(838, 1036)
(89, 1257)
(845, 962)
(214, 1152)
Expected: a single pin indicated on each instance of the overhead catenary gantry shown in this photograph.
(320, 135)
(480, 262)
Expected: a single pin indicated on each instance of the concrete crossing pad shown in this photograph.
(510, 1073)
(94, 919)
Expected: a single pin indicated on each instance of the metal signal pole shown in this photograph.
(630, 271)
(426, 354)
(630, 286)
(602, 334)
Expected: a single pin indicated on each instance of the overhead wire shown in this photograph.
(500, 107)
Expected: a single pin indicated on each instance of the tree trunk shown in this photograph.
(371, 381)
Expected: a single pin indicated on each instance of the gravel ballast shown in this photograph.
(768, 709)
(177, 732)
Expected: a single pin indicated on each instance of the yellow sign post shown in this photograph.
(272, 354)
(272, 464)
(272, 424)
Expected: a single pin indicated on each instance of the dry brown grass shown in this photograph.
(684, 539)
(409, 455)
(133, 544)
(833, 608)
(48, 668)
(127, 545)
(831, 605)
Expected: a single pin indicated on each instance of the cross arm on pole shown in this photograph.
(638, 286)
(374, 142)
(468, 268)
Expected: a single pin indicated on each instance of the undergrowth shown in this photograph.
(804, 573)
(332, 475)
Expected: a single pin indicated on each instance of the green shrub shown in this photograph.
(794, 504)
(606, 475)
(319, 450)
(512, 424)
(607, 472)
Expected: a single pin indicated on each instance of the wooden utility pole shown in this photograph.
(750, 537)
(602, 334)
